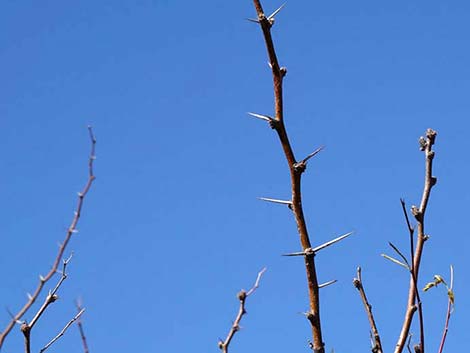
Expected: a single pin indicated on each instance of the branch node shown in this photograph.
(431, 155)
(415, 211)
(241, 295)
(300, 167)
(431, 135)
(423, 143)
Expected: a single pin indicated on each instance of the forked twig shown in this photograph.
(70, 231)
(426, 144)
(51, 297)
(242, 295)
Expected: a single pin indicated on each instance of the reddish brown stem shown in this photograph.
(296, 170)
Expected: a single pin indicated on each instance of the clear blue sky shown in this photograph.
(172, 228)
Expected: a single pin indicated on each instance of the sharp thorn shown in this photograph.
(270, 17)
(260, 116)
(283, 202)
(252, 20)
(308, 251)
(318, 150)
(300, 253)
(331, 242)
(326, 284)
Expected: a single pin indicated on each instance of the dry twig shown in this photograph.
(377, 348)
(61, 333)
(70, 231)
(223, 345)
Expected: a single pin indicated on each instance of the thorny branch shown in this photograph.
(377, 348)
(426, 144)
(296, 169)
(224, 345)
(70, 231)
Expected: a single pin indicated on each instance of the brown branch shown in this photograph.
(70, 231)
(80, 328)
(426, 144)
(224, 345)
(62, 332)
(296, 169)
(420, 305)
(358, 284)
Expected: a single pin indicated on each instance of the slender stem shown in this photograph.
(375, 332)
(419, 213)
(80, 328)
(450, 306)
(224, 345)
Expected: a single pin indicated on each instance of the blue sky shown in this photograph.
(172, 229)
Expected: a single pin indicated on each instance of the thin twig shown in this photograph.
(70, 231)
(80, 328)
(426, 144)
(224, 345)
(61, 333)
(377, 348)
(450, 306)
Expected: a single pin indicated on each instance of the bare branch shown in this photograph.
(426, 144)
(80, 328)
(242, 295)
(61, 333)
(377, 348)
(50, 298)
(71, 230)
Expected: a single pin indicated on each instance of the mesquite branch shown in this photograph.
(426, 144)
(70, 231)
(296, 169)
(223, 345)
